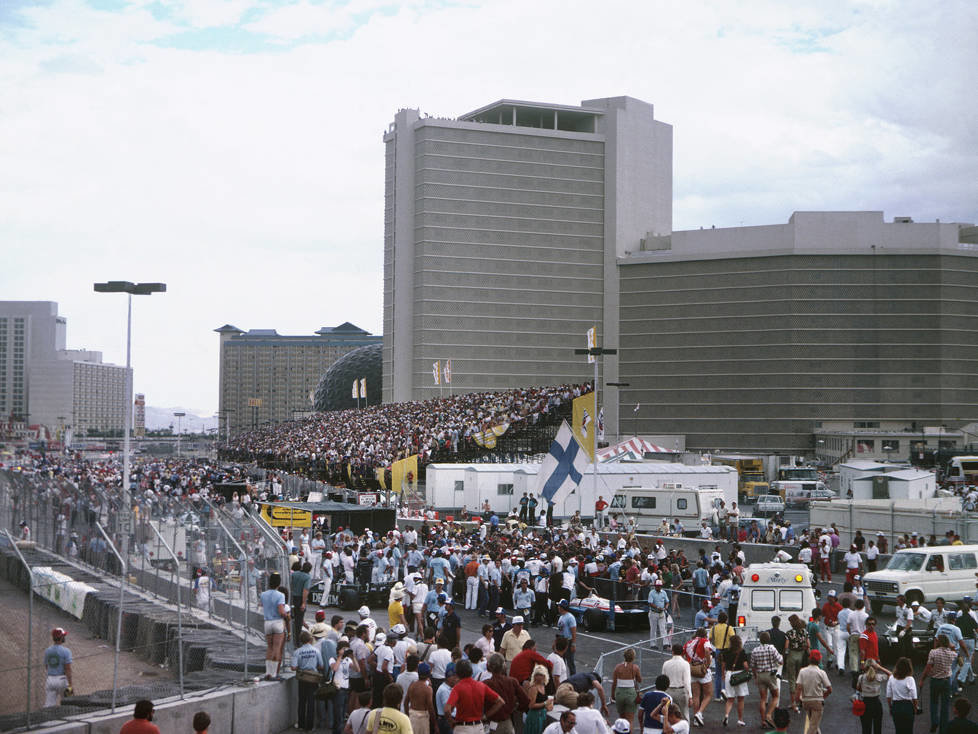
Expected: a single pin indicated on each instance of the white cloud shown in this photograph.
(253, 182)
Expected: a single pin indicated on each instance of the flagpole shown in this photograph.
(594, 442)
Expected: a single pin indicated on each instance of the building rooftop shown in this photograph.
(522, 113)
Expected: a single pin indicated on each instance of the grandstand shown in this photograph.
(347, 447)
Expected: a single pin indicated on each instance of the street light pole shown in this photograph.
(179, 416)
(130, 289)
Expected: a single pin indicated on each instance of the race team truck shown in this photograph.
(751, 482)
(793, 481)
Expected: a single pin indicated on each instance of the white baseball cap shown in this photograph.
(364, 612)
(518, 619)
(622, 726)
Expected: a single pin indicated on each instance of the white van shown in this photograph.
(648, 506)
(923, 574)
(773, 590)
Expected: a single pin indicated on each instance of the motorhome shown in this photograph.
(648, 506)
(963, 470)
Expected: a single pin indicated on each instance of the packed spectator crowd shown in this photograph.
(531, 577)
(356, 442)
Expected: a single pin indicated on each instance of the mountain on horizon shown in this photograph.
(195, 421)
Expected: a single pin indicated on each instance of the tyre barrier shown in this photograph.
(212, 655)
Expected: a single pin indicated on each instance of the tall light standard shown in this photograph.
(179, 416)
(130, 289)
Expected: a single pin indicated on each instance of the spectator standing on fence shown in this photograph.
(274, 610)
(141, 721)
(57, 662)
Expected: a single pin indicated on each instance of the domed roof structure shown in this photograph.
(335, 389)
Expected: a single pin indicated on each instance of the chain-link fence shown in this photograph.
(174, 586)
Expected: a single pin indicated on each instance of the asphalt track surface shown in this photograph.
(93, 657)
(837, 719)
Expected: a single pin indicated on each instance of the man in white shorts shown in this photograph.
(272, 602)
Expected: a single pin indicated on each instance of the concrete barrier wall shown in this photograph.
(257, 709)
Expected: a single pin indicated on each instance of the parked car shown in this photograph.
(768, 505)
(802, 498)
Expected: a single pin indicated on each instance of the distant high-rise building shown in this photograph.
(46, 384)
(502, 231)
(269, 377)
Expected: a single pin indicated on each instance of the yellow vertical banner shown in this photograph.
(379, 472)
(583, 415)
(404, 470)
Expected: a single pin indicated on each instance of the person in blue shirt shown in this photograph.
(567, 628)
(57, 663)
(273, 608)
(614, 570)
(658, 628)
(307, 661)
(650, 702)
(704, 617)
(440, 568)
(523, 598)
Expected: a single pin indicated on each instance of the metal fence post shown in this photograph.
(244, 602)
(179, 611)
(30, 621)
(118, 629)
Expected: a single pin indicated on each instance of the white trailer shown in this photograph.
(452, 486)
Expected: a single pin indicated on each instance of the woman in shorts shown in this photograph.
(625, 683)
(275, 612)
(734, 660)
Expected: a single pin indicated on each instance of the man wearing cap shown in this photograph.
(500, 626)
(432, 605)
(966, 622)
(512, 641)
(523, 598)
(319, 629)
(567, 628)
(383, 675)
(658, 602)
(451, 625)
(811, 690)
(419, 702)
(57, 663)
(830, 622)
(853, 560)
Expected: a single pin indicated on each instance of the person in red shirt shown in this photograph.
(141, 718)
(469, 699)
(869, 645)
(523, 663)
(830, 618)
(599, 507)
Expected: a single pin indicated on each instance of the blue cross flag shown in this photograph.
(563, 467)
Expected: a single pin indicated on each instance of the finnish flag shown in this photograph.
(563, 467)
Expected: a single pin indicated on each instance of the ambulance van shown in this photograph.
(773, 590)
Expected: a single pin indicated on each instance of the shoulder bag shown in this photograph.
(327, 689)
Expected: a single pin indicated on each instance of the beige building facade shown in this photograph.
(267, 377)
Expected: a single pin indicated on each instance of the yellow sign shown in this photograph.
(584, 428)
(404, 472)
(254, 402)
(286, 517)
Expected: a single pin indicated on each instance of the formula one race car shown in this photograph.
(592, 613)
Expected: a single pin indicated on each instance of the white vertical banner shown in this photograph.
(446, 372)
(601, 424)
(356, 391)
(363, 388)
(436, 372)
(592, 342)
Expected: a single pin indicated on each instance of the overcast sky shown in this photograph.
(232, 148)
